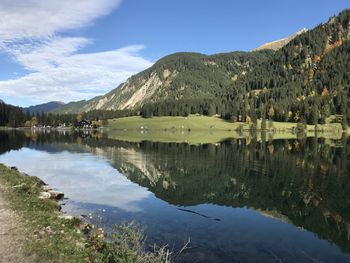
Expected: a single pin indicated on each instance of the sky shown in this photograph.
(63, 50)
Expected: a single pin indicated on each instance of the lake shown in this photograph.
(240, 200)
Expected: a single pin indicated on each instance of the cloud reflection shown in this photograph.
(82, 177)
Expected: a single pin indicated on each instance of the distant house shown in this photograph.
(84, 124)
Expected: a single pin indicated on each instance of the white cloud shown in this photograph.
(23, 19)
(41, 55)
(73, 77)
(31, 33)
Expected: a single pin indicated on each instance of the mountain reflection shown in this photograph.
(302, 181)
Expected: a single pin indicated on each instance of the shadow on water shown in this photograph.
(199, 214)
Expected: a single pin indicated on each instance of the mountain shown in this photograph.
(306, 80)
(174, 77)
(277, 44)
(46, 107)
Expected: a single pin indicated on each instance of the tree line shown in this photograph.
(13, 116)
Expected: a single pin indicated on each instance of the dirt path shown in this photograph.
(11, 240)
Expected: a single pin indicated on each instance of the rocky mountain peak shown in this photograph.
(277, 44)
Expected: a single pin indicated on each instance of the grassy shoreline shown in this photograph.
(53, 238)
(196, 129)
(211, 123)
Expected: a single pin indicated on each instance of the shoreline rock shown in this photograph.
(56, 195)
(44, 195)
(51, 195)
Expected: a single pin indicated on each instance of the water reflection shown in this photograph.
(181, 190)
(305, 182)
(84, 178)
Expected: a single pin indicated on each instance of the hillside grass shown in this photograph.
(193, 129)
(196, 129)
(192, 123)
(282, 126)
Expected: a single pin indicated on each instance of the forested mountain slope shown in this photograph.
(175, 77)
(306, 80)
(10, 115)
(45, 107)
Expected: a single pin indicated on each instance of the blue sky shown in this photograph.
(71, 50)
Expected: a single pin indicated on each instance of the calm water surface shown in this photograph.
(237, 201)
